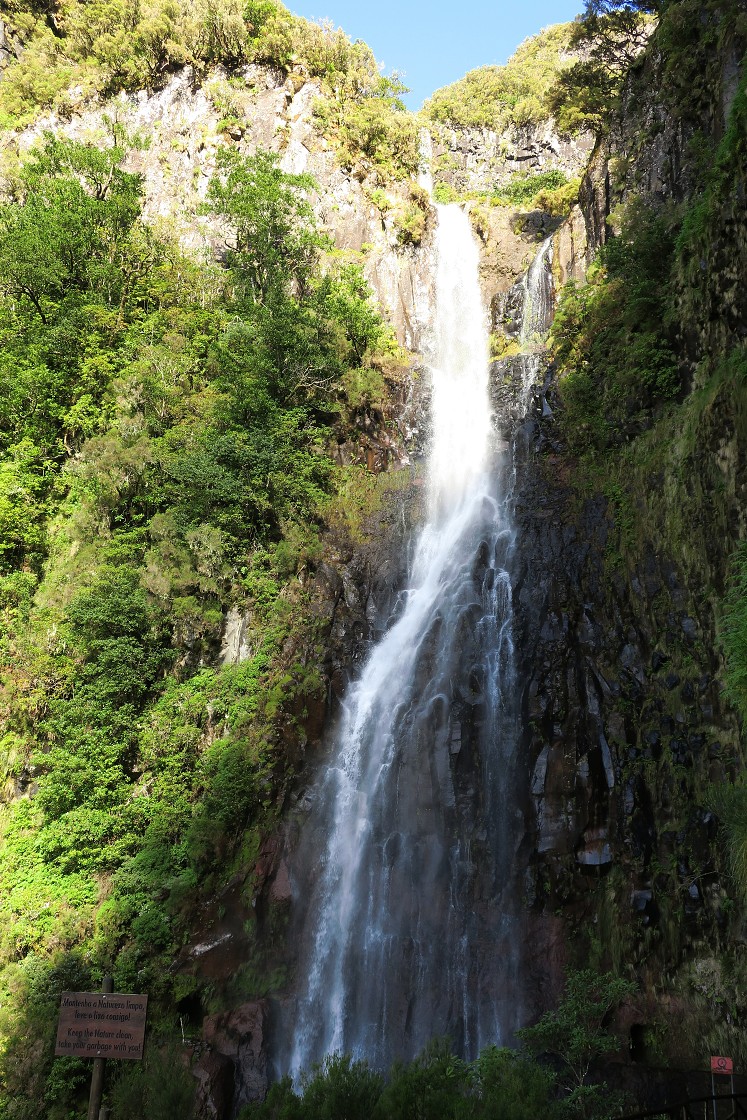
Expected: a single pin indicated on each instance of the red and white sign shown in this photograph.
(722, 1065)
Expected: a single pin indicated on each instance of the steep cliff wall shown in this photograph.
(628, 552)
(624, 552)
(183, 127)
(482, 161)
(230, 953)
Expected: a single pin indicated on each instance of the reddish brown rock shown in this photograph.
(240, 1035)
(280, 889)
(214, 1075)
(221, 944)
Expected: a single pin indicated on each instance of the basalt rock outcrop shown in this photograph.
(481, 160)
(627, 723)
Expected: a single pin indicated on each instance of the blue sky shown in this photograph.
(435, 43)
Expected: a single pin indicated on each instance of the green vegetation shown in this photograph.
(165, 436)
(734, 627)
(413, 215)
(72, 50)
(497, 97)
(653, 376)
(714, 206)
(617, 365)
(549, 191)
(730, 802)
(371, 127)
(500, 1084)
(558, 201)
(526, 190)
(575, 1034)
(608, 41)
(159, 1088)
(107, 46)
(616, 336)
(572, 73)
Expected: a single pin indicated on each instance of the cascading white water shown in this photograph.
(536, 315)
(410, 930)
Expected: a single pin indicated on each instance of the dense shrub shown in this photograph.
(166, 427)
(523, 190)
(499, 1085)
(616, 363)
(497, 97)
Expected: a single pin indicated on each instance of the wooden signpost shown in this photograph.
(101, 1025)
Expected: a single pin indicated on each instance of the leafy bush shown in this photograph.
(371, 128)
(558, 201)
(412, 220)
(576, 1034)
(729, 802)
(497, 97)
(509, 1085)
(499, 1085)
(32, 1081)
(166, 437)
(523, 190)
(616, 364)
(161, 1087)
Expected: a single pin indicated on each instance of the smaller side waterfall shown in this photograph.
(538, 297)
(537, 309)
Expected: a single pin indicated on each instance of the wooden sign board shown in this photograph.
(101, 1025)
(722, 1065)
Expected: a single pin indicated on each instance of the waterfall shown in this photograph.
(537, 304)
(412, 926)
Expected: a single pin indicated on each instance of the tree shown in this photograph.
(616, 31)
(613, 7)
(609, 37)
(433, 1086)
(70, 230)
(510, 1086)
(575, 1035)
(273, 242)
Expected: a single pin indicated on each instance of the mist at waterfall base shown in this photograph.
(412, 923)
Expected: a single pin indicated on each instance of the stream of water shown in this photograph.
(412, 927)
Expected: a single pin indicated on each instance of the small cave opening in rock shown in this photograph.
(190, 1012)
(638, 1042)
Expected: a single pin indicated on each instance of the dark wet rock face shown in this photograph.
(214, 1075)
(478, 159)
(234, 1040)
(623, 715)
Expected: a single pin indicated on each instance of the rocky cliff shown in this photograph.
(237, 949)
(626, 562)
(622, 567)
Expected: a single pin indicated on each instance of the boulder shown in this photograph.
(239, 1035)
